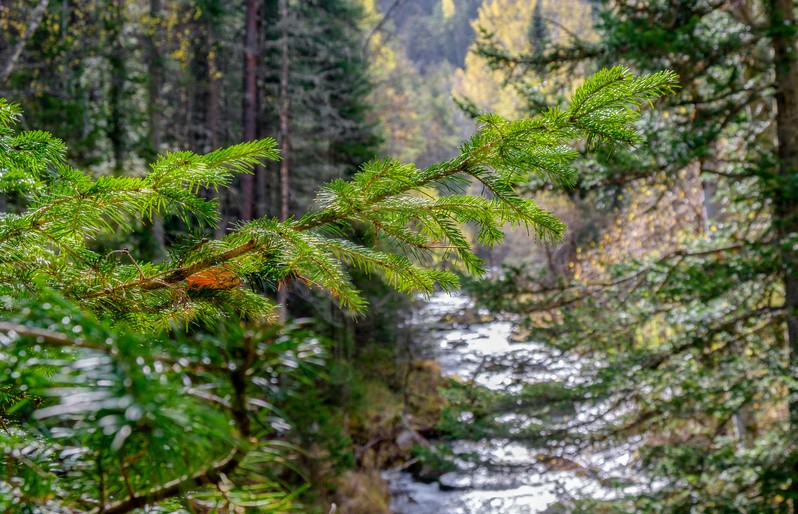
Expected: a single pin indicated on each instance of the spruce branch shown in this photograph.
(391, 198)
(211, 475)
(420, 212)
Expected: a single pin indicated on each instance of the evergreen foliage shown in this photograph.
(129, 383)
(687, 305)
(329, 132)
(538, 31)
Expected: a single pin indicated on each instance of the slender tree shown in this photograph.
(116, 131)
(283, 110)
(35, 19)
(538, 31)
(781, 23)
(284, 140)
(250, 103)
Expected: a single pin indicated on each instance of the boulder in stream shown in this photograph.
(466, 317)
(405, 440)
(454, 481)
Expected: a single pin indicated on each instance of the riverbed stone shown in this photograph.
(454, 481)
(466, 318)
(406, 440)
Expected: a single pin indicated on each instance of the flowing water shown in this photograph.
(508, 477)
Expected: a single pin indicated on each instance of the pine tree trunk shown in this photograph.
(250, 101)
(285, 145)
(155, 81)
(33, 25)
(154, 109)
(117, 63)
(212, 107)
(212, 121)
(261, 200)
(782, 23)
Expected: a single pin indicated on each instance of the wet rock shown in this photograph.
(466, 317)
(406, 440)
(459, 343)
(553, 463)
(453, 481)
(425, 473)
(519, 335)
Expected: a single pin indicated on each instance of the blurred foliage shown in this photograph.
(679, 305)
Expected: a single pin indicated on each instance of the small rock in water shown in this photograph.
(459, 343)
(454, 481)
(519, 336)
(424, 473)
(466, 318)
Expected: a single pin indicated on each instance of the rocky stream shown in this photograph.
(508, 476)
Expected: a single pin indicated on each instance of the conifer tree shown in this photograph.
(695, 331)
(114, 397)
(315, 86)
(538, 31)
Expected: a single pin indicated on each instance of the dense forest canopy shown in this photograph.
(211, 238)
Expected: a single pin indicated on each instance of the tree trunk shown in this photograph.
(250, 101)
(261, 200)
(154, 110)
(155, 81)
(212, 107)
(785, 216)
(116, 60)
(35, 20)
(285, 144)
(212, 122)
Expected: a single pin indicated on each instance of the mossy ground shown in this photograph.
(391, 406)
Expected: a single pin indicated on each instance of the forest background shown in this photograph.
(677, 273)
